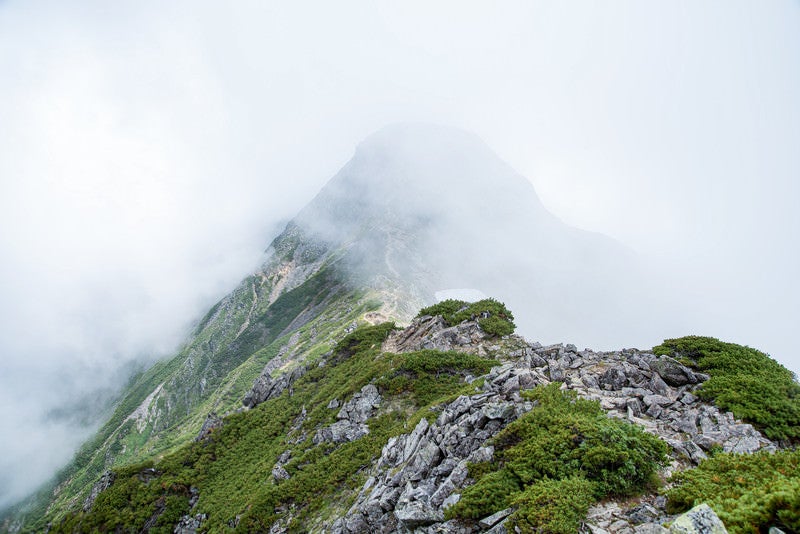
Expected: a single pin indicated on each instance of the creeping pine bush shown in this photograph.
(553, 506)
(493, 316)
(751, 493)
(564, 443)
(744, 381)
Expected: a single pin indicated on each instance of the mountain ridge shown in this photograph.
(389, 230)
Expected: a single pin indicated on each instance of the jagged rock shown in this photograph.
(634, 407)
(660, 400)
(341, 432)
(613, 378)
(106, 479)
(279, 473)
(361, 406)
(556, 370)
(213, 421)
(265, 387)
(643, 513)
(421, 473)
(673, 372)
(699, 520)
(352, 417)
(492, 520)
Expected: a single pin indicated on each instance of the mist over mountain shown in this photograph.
(435, 208)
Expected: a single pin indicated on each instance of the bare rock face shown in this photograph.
(352, 417)
(266, 387)
(101, 485)
(213, 421)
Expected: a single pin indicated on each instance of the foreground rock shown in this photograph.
(699, 520)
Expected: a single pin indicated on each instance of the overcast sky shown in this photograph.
(149, 149)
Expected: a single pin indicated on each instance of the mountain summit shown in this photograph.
(431, 208)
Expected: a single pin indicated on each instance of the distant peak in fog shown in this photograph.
(432, 207)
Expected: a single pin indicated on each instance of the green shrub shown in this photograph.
(431, 374)
(563, 437)
(553, 506)
(750, 493)
(493, 316)
(744, 381)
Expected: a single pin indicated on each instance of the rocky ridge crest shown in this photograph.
(420, 474)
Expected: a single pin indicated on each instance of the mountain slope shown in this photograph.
(438, 428)
(418, 209)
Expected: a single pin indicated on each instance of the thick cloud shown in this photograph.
(149, 150)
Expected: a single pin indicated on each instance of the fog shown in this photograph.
(150, 151)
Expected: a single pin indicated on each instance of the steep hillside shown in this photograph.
(298, 303)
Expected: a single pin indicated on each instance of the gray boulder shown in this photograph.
(699, 520)
(673, 372)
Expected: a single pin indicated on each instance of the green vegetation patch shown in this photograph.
(750, 493)
(554, 506)
(744, 381)
(431, 374)
(564, 443)
(232, 469)
(493, 316)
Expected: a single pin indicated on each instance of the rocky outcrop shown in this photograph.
(189, 524)
(104, 483)
(212, 422)
(266, 387)
(433, 333)
(351, 419)
(699, 520)
(420, 474)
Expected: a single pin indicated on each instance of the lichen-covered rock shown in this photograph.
(673, 372)
(699, 520)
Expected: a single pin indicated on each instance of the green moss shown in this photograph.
(745, 381)
(750, 493)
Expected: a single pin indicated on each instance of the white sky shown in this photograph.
(148, 149)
